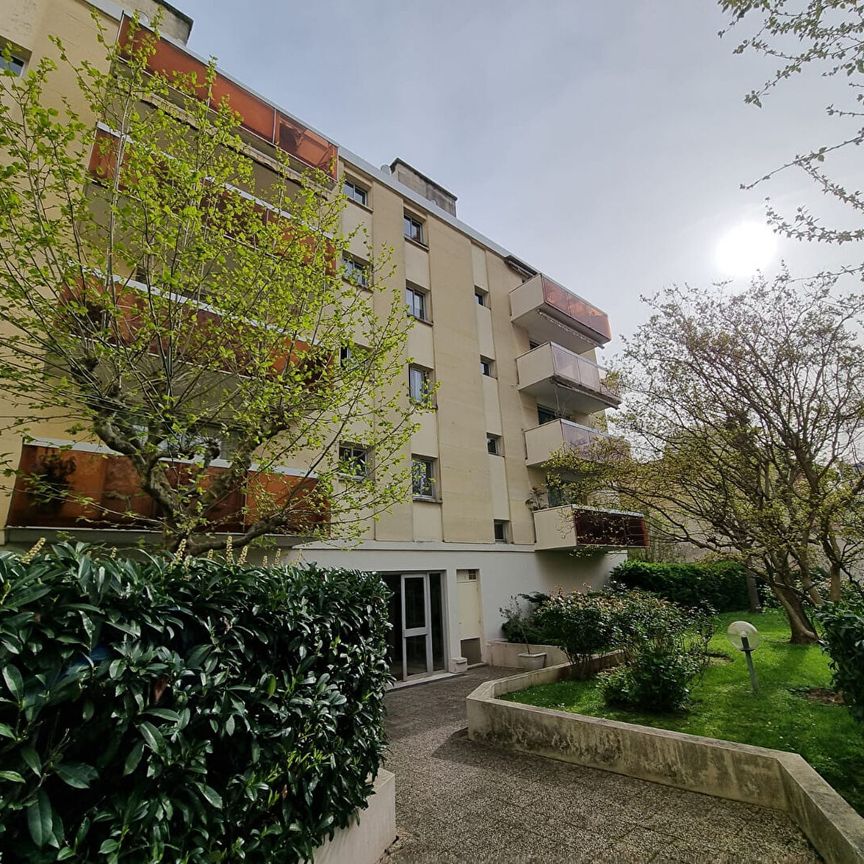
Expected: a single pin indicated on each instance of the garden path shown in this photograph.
(458, 801)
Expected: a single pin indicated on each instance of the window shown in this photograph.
(487, 366)
(353, 355)
(413, 228)
(502, 531)
(356, 271)
(493, 444)
(419, 384)
(545, 415)
(353, 192)
(11, 63)
(422, 477)
(481, 296)
(353, 461)
(417, 302)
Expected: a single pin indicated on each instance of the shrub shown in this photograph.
(721, 585)
(520, 623)
(843, 638)
(159, 712)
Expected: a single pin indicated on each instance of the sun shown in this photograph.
(744, 249)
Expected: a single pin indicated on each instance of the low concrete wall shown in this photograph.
(499, 652)
(366, 840)
(756, 775)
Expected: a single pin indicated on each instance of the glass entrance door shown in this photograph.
(416, 637)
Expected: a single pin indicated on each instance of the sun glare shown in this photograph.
(744, 249)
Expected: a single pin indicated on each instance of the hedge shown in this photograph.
(843, 639)
(722, 585)
(156, 711)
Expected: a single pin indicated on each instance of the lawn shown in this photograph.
(724, 706)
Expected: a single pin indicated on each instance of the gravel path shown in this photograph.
(457, 801)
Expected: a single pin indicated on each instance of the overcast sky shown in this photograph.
(604, 143)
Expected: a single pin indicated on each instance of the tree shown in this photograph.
(827, 35)
(745, 415)
(163, 295)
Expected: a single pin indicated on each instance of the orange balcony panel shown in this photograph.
(575, 307)
(87, 489)
(256, 114)
(609, 528)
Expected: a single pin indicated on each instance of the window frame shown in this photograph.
(361, 455)
(417, 292)
(481, 296)
(15, 59)
(356, 188)
(425, 396)
(495, 441)
(487, 366)
(430, 479)
(409, 219)
(352, 266)
(504, 525)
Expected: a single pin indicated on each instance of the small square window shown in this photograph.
(353, 461)
(546, 415)
(416, 300)
(493, 444)
(422, 477)
(487, 366)
(11, 63)
(419, 385)
(356, 271)
(502, 531)
(413, 229)
(354, 192)
(481, 296)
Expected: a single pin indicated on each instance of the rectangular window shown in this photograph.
(356, 271)
(481, 296)
(353, 461)
(413, 228)
(416, 300)
(353, 192)
(502, 531)
(493, 444)
(487, 366)
(545, 415)
(422, 477)
(12, 64)
(419, 384)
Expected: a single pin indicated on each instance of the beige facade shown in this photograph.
(513, 356)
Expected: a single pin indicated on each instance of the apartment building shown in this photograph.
(511, 351)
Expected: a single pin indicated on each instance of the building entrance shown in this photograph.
(416, 616)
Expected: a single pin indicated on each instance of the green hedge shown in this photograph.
(722, 585)
(162, 712)
(843, 639)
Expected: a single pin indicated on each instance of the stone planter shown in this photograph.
(532, 661)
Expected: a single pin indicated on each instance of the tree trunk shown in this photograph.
(803, 632)
(754, 602)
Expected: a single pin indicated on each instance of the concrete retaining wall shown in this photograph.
(756, 775)
(499, 652)
(365, 841)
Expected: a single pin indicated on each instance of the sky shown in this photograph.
(603, 143)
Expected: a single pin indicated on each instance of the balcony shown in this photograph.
(551, 313)
(89, 487)
(542, 441)
(571, 527)
(561, 379)
(257, 115)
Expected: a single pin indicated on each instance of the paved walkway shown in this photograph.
(457, 801)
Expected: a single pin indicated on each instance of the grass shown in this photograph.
(724, 706)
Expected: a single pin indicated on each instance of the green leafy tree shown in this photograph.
(162, 294)
(745, 415)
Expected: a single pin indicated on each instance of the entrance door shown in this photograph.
(416, 637)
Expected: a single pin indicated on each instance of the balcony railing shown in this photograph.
(542, 441)
(561, 379)
(573, 527)
(258, 115)
(551, 313)
(58, 488)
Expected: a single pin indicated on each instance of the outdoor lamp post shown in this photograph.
(745, 637)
